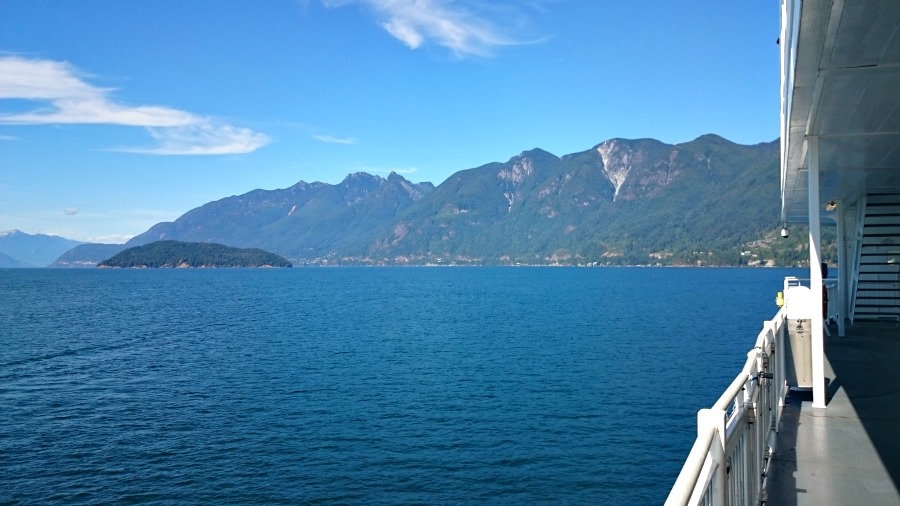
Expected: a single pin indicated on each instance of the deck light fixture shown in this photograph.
(831, 205)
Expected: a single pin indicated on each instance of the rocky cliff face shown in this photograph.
(518, 176)
(640, 169)
(616, 158)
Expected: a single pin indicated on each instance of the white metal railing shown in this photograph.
(735, 438)
(833, 311)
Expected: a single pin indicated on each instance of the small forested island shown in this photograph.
(177, 254)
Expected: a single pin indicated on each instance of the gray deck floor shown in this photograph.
(849, 452)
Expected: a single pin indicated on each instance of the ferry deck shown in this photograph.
(848, 453)
(813, 418)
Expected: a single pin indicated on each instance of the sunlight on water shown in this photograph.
(393, 385)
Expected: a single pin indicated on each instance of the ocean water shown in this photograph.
(364, 385)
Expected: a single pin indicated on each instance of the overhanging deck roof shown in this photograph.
(841, 79)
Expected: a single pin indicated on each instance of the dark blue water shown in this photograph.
(366, 386)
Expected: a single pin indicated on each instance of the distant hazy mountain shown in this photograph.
(7, 261)
(704, 202)
(87, 255)
(35, 250)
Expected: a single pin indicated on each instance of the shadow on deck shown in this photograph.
(848, 453)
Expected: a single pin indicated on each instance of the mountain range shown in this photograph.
(305, 221)
(622, 202)
(19, 249)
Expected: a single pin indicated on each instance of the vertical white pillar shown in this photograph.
(843, 263)
(815, 277)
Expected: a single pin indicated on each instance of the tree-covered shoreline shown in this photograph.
(177, 254)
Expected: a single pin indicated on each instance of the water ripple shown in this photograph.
(366, 386)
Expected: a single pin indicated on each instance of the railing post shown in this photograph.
(749, 409)
(781, 364)
(715, 418)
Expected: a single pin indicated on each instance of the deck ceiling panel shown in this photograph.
(890, 83)
(892, 51)
(800, 112)
(858, 152)
(867, 107)
(845, 116)
(879, 109)
(865, 31)
(809, 50)
(846, 93)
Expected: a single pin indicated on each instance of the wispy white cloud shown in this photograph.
(202, 138)
(110, 239)
(401, 171)
(69, 99)
(334, 140)
(7, 138)
(466, 28)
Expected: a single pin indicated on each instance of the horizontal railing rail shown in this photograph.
(728, 462)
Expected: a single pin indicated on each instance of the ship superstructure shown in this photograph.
(814, 416)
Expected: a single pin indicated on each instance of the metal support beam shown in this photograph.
(842, 261)
(858, 228)
(815, 277)
(715, 418)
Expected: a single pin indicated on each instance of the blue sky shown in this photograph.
(118, 114)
